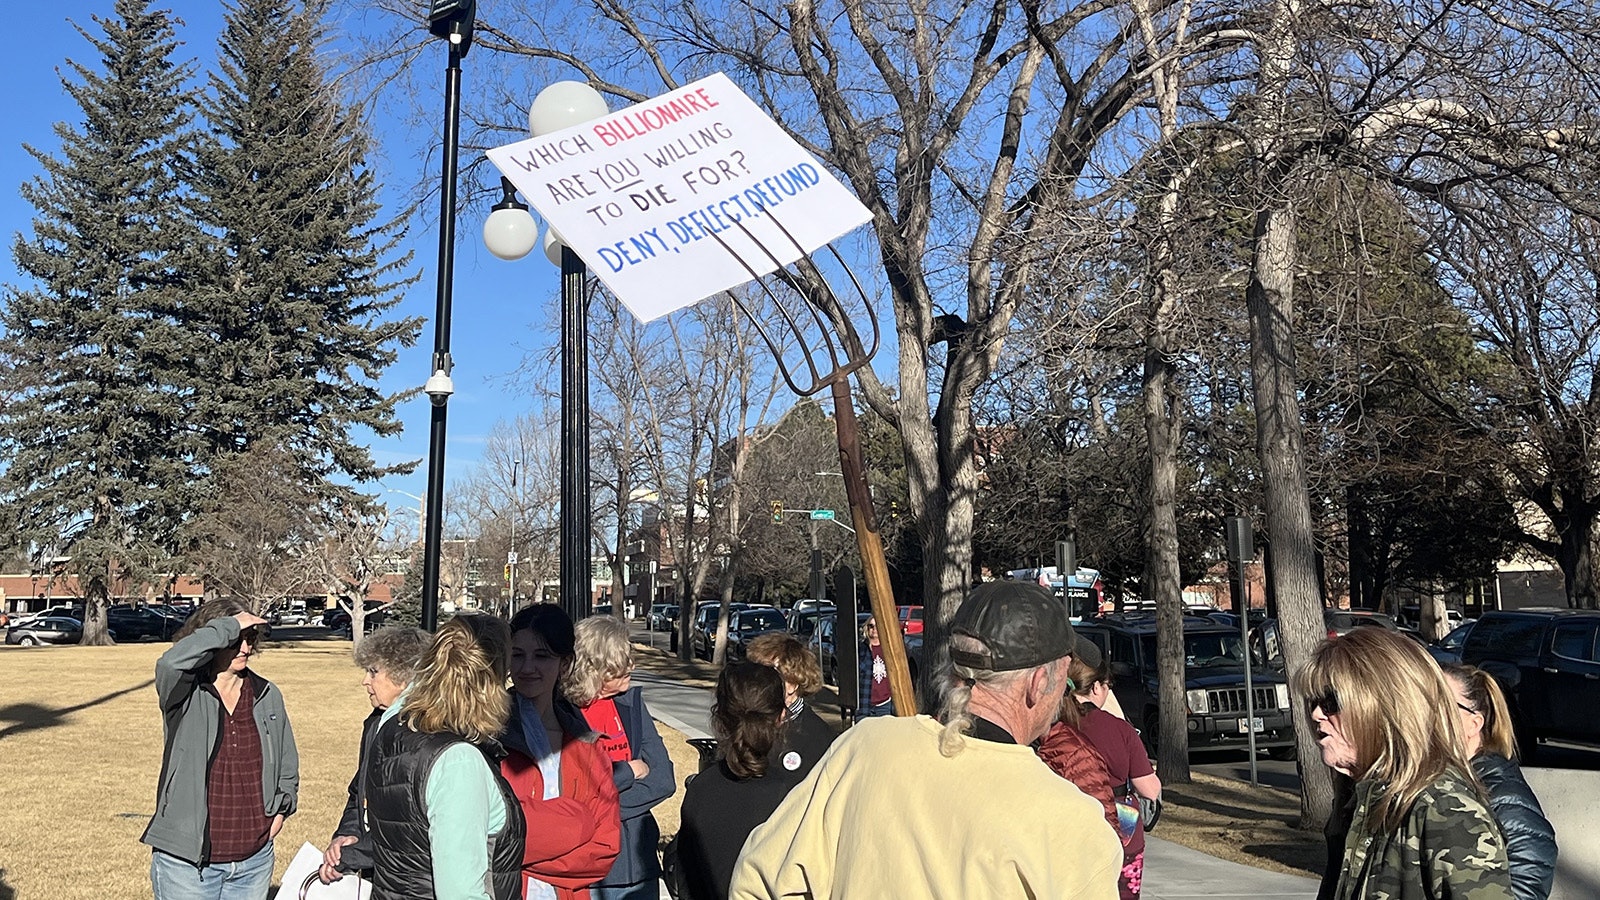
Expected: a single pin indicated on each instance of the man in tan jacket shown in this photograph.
(958, 807)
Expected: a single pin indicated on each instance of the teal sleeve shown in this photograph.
(464, 809)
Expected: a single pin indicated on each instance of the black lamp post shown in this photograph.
(508, 234)
(451, 20)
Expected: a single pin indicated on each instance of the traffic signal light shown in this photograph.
(508, 573)
(777, 510)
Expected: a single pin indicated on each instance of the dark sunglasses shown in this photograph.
(1327, 701)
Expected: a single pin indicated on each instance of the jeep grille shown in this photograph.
(1231, 700)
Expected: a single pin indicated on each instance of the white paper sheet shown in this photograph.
(306, 863)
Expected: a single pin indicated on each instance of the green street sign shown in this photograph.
(822, 514)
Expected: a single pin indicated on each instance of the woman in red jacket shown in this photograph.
(560, 775)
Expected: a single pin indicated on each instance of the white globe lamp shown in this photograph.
(563, 105)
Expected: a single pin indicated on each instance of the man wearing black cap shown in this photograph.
(957, 807)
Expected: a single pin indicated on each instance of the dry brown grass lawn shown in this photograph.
(80, 748)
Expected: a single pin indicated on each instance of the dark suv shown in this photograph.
(1213, 681)
(1547, 663)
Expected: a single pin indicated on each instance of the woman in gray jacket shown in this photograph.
(229, 771)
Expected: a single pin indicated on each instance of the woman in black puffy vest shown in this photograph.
(1486, 730)
(444, 823)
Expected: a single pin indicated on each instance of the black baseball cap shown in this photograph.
(1022, 624)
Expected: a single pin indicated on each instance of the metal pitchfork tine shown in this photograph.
(846, 354)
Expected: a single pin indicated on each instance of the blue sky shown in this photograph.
(501, 310)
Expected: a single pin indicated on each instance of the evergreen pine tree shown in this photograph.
(299, 278)
(92, 430)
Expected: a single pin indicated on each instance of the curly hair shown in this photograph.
(747, 715)
(460, 685)
(784, 652)
(393, 650)
(602, 652)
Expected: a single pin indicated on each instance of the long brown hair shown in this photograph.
(746, 716)
(1396, 707)
(1486, 698)
(460, 685)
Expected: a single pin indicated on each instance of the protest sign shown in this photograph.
(648, 196)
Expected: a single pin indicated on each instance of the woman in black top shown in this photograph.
(726, 802)
(804, 737)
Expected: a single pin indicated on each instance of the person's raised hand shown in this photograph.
(249, 620)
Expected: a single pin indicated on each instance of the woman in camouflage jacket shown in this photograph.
(1420, 830)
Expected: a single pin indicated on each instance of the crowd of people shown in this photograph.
(517, 760)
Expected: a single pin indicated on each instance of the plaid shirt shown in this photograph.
(238, 824)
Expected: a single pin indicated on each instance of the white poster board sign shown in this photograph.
(649, 195)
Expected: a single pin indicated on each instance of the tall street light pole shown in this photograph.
(451, 20)
(558, 107)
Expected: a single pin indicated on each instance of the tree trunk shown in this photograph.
(944, 523)
(96, 598)
(1161, 419)
(1279, 445)
(619, 582)
(1432, 623)
(1358, 541)
(1577, 558)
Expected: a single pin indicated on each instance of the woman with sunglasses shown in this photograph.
(873, 697)
(1420, 828)
(1486, 730)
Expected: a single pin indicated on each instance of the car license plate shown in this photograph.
(1248, 725)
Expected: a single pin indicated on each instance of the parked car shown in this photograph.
(47, 630)
(1411, 617)
(54, 612)
(1547, 663)
(1214, 690)
(131, 624)
(746, 625)
(663, 616)
(703, 640)
(911, 619)
(179, 611)
(291, 615)
(803, 621)
(1343, 621)
(824, 643)
(341, 621)
(1231, 619)
(1448, 648)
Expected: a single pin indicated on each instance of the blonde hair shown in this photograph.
(460, 685)
(1396, 708)
(1484, 693)
(601, 651)
(785, 653)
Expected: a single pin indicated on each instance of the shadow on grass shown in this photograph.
(7, 892)
(23, 717)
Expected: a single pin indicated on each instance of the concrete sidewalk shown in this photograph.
(1171, 871)
(1174, 872)
(682, 707)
